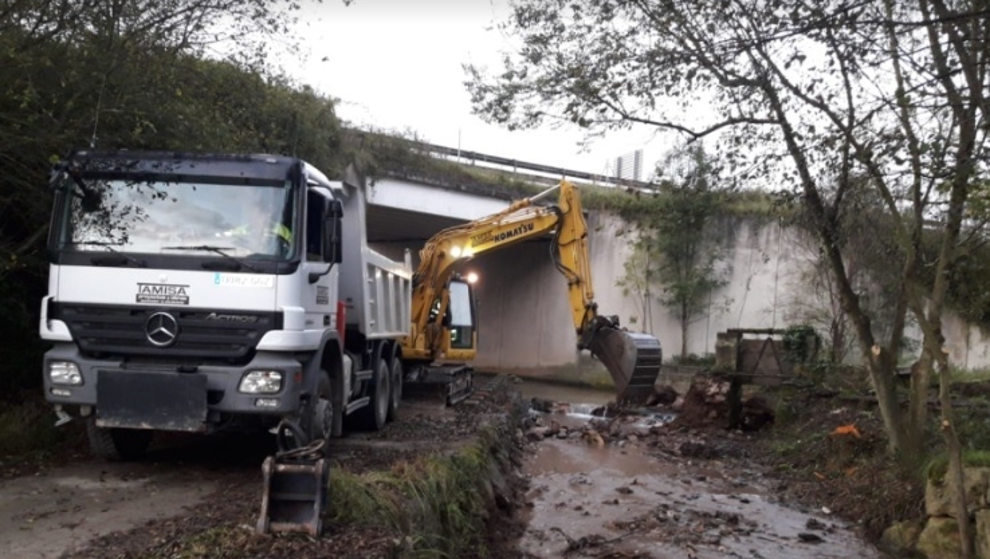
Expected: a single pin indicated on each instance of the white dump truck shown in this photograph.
(192, 292)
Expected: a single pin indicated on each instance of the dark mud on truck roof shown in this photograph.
(186, 166)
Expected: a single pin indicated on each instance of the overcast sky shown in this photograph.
(397, 65)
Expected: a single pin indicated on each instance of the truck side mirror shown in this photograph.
(332, 246)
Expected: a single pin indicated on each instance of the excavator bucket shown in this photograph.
(632, 358)
(296, 481)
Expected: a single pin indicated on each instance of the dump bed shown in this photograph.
(376, 290)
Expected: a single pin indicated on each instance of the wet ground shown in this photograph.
(641, 488)
(94, 508)
(634, 486)
(43, 516)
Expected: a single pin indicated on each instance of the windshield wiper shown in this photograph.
(104, 261)
(215, 250)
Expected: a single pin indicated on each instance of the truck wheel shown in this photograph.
(374, 415)
(117, 444)
(320, 422)
(396, 396)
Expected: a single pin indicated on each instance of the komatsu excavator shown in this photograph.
(442, 328)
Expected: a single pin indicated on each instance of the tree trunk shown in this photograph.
(954, 450)
(684, 332)
(921, 377)
(882, 375)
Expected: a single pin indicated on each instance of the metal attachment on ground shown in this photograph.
(296, 481)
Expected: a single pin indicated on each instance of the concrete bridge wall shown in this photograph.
(526, 325)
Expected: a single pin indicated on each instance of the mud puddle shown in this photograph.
(596, 493)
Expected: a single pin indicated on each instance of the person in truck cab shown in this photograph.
(261, 230)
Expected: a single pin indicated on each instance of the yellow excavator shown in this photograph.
(443, 335)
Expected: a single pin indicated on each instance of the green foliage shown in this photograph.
(800, 343)
(968, 291)
(678, 251)
(128, 77)
(378, 154)
(694, 360)
(438, 503)
(939, 465)
(27, 430)
(863, 113)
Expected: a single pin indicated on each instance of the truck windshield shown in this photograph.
(161, 217)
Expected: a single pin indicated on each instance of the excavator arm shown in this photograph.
(632, 359)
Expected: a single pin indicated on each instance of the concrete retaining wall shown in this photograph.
(526, 325)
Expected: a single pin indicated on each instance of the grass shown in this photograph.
(28, 432)
(438, 503)
(938, 466)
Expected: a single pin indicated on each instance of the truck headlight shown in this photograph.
(64, 372)
(261, 382)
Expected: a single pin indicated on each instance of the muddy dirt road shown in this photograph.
(62, 509)
(43, 516)
(638, 487)
(188, 484)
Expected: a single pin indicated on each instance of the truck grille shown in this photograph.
(204, 334)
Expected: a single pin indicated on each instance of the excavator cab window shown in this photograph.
(460, 315)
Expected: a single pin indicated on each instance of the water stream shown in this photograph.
(625, 500)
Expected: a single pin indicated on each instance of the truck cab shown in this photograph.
(192, 292)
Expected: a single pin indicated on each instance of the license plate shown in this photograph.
(161, 401)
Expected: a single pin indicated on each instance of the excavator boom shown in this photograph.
(632, 359)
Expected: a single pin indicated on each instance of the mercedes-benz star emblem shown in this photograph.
(161, 329)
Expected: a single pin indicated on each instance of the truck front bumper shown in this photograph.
(154, 396)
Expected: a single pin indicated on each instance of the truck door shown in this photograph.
(320, 298)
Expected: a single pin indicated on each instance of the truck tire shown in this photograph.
(396, 389)
(117, 444)
(319, 423)
(373, 416)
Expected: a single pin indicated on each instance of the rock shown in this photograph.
(814, 524)
(541, 404)
(940, 539)
(562, 434)
(662, 396)
(593, 438)
(629, 429)
(902, 537)
(939, 492)
(690, 449)
(537, 433)
(624, 490)
(808, 537)
(756, 414)
(982, 539)
(608, 410)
